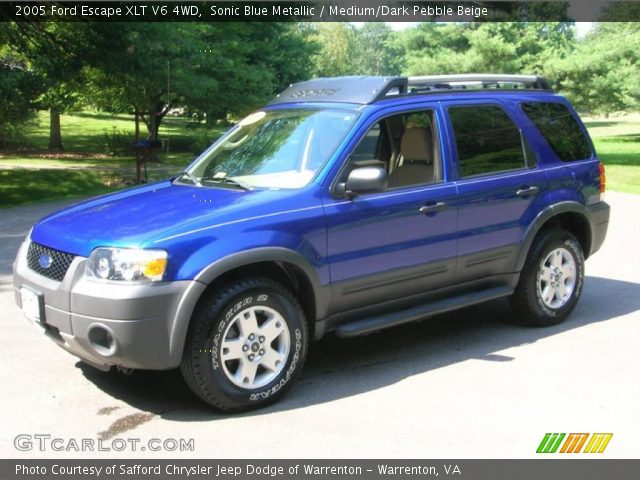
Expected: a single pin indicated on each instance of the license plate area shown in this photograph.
(32, 305)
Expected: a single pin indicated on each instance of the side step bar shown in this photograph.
(373, 324)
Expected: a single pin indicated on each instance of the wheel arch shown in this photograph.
(571, 216)
(280, 264)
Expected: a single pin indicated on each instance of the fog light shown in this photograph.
(102, 341)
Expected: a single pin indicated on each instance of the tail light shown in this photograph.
(603, 179)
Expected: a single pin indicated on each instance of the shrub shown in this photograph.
(12, 136)
(203, 140)
(118, 142)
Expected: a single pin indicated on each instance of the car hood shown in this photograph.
(132, 217)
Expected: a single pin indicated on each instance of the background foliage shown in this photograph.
(220, 71)
(68, 91)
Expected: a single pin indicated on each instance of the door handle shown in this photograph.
(433, 208)
(526, 191)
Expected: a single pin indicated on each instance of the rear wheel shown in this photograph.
(551, 280)
(246, 345)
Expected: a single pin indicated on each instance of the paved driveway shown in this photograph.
(467, 384)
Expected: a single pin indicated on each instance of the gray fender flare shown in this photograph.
(267, 254)
(543, 217)
(226, 264)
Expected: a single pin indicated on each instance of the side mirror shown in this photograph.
(363, 180)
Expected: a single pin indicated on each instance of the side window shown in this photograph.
(405, 145)
(487, 140)
(368, 147)
(560, 130)
(372, 151)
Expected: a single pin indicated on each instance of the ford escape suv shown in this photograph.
(346, 205)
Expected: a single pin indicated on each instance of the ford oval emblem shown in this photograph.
(45, 260)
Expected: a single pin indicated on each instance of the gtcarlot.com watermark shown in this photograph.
(43, 442)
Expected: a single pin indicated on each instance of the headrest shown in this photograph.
(417, 145)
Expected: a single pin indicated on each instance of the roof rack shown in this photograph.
(476, 81)
(360, 90)
(364, 90)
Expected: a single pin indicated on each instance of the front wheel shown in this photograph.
(551, 280)
(246, 345)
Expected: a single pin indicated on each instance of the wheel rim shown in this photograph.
(557, 278)
(255, 347)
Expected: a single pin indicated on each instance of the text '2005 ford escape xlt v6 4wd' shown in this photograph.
(347, 205)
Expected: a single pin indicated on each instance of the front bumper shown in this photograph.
(133, 326)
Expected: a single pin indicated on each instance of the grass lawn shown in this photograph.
(31, 174)
(21, 186)
(84, 132)
(617, 142)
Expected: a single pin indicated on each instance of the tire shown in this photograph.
(246, 344)
(551, 281)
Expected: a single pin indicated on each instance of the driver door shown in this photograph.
(402, 241)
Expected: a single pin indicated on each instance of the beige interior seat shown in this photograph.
(416, 167)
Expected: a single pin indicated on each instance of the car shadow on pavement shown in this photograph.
(338, 368)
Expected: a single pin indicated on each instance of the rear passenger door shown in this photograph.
(499, 188)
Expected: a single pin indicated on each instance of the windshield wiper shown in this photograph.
(185, 173)
(229, 180)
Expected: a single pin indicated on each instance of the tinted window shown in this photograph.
(486, 139)
(367, 148)
(560, 130)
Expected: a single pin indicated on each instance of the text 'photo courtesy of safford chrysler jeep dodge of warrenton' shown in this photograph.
(346, 205)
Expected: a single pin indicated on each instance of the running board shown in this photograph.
(373, 324)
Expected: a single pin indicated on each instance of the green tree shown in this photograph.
(376, 52)
(501, 47)
(18, 91)
(54, 54)
(145, 67)
(250, 64)
(218, 68)
(601, 74)
(58, 62)
(337, 48)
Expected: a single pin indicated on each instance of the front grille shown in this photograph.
(57, 266)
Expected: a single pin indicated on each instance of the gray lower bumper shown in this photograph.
(106, 324)
(599, 220)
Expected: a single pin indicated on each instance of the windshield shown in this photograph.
(272, 149)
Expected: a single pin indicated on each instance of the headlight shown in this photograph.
(126, 264)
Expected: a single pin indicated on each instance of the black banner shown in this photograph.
(322, 10)
(321, 469)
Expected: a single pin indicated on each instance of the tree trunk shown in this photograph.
(153, 126)
(156, 114)
(55, 136)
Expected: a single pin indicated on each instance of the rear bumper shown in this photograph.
(106, 324)
(598, 215)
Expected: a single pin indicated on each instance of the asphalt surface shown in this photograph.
(463, 385)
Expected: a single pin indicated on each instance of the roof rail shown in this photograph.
(476, 80)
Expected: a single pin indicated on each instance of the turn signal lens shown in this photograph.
(603, 178)
(155, 268)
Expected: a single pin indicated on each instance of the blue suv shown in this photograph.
(346, 205)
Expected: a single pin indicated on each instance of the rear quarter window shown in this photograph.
(560, 129)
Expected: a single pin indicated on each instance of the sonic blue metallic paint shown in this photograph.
(198, 226)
